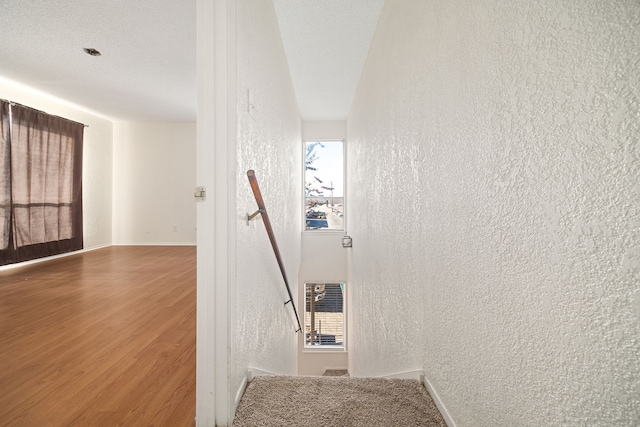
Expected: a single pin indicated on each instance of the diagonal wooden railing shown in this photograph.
(267, 223)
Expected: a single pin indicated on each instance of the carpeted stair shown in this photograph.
(336, 401)
(336, 373)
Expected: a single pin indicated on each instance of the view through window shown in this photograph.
(324, 314)
(324, 185)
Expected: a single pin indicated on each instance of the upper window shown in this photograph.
(324, 185)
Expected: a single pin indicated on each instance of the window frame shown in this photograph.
(325, 348)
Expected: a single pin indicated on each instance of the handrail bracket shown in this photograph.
(255, 214)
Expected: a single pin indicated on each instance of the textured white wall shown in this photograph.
(153, 183)
(269, 142)
(494, 160)
(97, 158)
(319, 129)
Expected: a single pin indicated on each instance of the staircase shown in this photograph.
(336, 401)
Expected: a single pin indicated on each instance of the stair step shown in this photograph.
(336, 373)
(336, 401)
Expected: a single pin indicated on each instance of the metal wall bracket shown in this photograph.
(200, 194)
(253, 215)
(300, 328)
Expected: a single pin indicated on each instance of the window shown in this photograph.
(324, 185)
(324, 316)
(41, 190)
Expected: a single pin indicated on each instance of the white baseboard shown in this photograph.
(439, 404)
(93, 248)
(156, 244)
(408, 375)
(52, 257)
(251, 374)
(255, 372)
(419, 375)
(240, 392)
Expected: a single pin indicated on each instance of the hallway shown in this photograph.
(492, 203)
(491, 197)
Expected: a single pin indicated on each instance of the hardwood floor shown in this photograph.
(103, 338)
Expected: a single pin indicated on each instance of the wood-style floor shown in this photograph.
(103, 338)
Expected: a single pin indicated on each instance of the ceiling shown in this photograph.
(147, 70)
(326, 43)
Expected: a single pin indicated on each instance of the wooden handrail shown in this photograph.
(265, 217)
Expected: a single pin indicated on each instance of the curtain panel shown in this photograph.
(41, 199)
(5, 178)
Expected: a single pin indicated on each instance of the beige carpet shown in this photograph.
(336, 401)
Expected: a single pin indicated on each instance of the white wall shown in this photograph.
(97, 158)
(330, 129)
(323, 259)
(153, 183)
(268, 141)
(494, 157)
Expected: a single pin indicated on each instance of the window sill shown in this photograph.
(324, 349)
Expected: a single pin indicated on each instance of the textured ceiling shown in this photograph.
(326, 43)
(147, 70)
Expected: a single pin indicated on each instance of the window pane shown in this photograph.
(324, 314)
(324, 185)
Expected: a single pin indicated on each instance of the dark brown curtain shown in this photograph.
(46, 185)
(5, 178)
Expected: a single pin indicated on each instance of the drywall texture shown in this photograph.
(154, 180)
(494, 161)
(319, 130)
(97, 158)
(269, 143)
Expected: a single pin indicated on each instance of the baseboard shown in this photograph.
(419, 375)
(408, 375)
(156, 244)
(439, 404)
(93, 248)
(52, 257)
(251, 374)
(240, 392)
(255, 372)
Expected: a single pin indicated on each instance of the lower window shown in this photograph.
(324, 315)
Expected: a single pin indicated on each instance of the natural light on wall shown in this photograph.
(324, 185)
